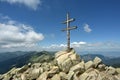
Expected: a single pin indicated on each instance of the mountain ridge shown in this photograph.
(34, 56)
(63, 66)
(19, 61)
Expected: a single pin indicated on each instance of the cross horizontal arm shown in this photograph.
(70, 20)
(70, 28)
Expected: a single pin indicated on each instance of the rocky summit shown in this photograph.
(65, 66)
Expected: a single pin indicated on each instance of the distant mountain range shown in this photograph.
(19, 58)
(22, 59)
(110, 61)
(87, 57)
(8, 55)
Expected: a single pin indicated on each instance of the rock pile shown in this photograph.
(66, 60)
(66, 66)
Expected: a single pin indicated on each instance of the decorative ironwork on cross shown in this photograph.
(67, 29)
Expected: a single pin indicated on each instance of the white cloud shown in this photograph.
(84, 46)
(64, 46)
(33, 4)
(78, 44)
(87, 28)
(13, 34)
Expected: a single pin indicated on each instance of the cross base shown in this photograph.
(68, 50)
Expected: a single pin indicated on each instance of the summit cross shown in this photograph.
(68, 28)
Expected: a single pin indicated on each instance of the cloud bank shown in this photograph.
(87, 28)
(33, 4)
(14, 35)
(85, 46)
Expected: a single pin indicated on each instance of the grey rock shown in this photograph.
(101, 67)
(78, 67)
(60, 53)
(46, 66)
(63, 76)
(76, 74)
(56, 77)
(89, 70)
(83, 76)
(110, 77)
(53, 71)
(9, 75)
(23, 77)
(1, 76)
(34, 74)
(66, 65)
(88, 65)
(111, 70)
(43, 76)
(97, 61)
(118, 70)
(93, 75)
(23, 69)
(90, 75)
(70, 75)
(41, 70)
(66, 60)
(36, 65)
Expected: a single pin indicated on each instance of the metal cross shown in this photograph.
(67, 22)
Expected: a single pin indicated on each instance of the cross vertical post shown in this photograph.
(68, 33)
(67, 29)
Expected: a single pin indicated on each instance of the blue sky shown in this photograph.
(36, 24)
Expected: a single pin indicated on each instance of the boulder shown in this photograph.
(110, 77)
(83, 76)
(56, 77)
(90, 75)
(97, 61)
(34, 74)
(66, 65)
(43, 76)
(93, 75)
(9, 75)
(111, 70)
(118, 70)
(63, 76)
(36, 65)
(23, 77)
(101, 67)
(75, 58)
(60, 53)
(88, 65)
(65, 60)
(78, 67)
(41, 70)
(119, 76)
(53, 71)
(46, 66)
(19, 77)
(70, 75)
(23, 69)
(76, 74)
(1, 76)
